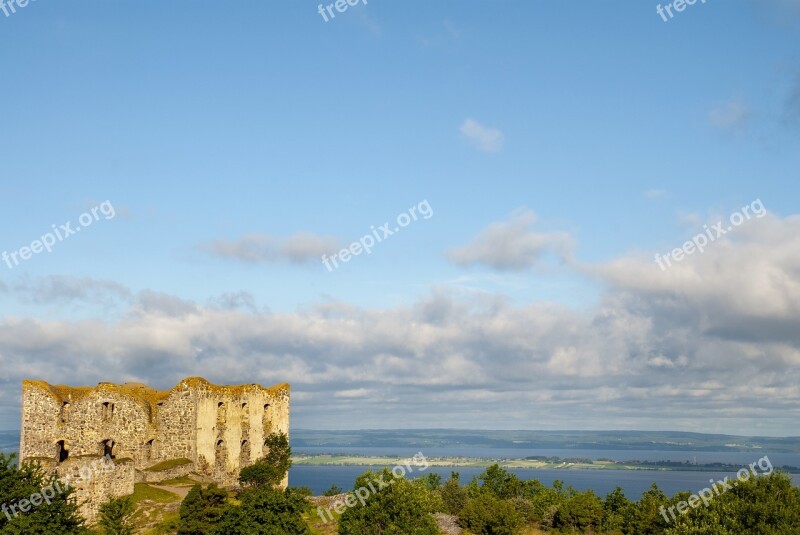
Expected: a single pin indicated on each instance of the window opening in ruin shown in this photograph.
(244, 453)
(108, 448)
(62, 454)
(108, 410)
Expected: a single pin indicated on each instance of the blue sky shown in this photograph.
(560, 145)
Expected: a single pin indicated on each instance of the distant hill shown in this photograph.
(597, 440)
(459, 438)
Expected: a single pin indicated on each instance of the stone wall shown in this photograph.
(220, 429)
(95, 480)
(233, 424)
(156, 476)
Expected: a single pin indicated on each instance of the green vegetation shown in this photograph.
(202, 510)
(116, 516)
(266, 511)
(259, 509)
(167, 465)
(143, 491)
(271, 469)
(58, 515)
(400, 507)
(333, 491)
(499, 503)
(494, 503)
(183, 481)
(533, 462)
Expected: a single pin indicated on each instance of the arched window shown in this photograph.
(107, 447)
(220, 456)
(108, 410)
(62, 454)
(244, 453)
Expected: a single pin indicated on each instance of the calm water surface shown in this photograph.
(633, 482)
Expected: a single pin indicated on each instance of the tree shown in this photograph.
(763, 505)
(544, 500)
(646, 518)
(116, 516)
(617, 511)
(400, 507)
(454, 496)
(432, 481)
(273, 467)
(201, 510)
(333, 491)
(265, 510)
(502, 483)
(582, 512)
(57, 515)
(489, 515)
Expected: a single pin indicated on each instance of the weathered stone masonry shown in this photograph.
(217, 429)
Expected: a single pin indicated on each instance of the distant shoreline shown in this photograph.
(533, 463)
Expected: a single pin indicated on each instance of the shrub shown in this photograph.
(765, 505)
(58, 517)
(489, 515)
(581, 512)
(333, 491)
(401, 508)
(201, 510)
(454, 496)
(266, 511)
(116, 516)
(273, 467)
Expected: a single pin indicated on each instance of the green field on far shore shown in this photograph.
(529, 463)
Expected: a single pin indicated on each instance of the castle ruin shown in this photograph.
(149, 435)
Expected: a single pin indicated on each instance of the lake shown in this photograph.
(633, 482)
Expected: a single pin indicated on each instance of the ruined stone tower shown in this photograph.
(150, 435)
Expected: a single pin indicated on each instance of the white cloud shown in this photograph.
(511, 245)
(655, 193)
(717, 336)
(481, 137)
(454, 32)
(731, 115)
(299, 248)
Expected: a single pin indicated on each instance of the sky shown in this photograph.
(419, 214)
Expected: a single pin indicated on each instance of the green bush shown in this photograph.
(646, 518)
(617, 512)
(333, 491)
(545, 501)
(58, 517)
(501, 483)
(766, 505)
(582, 512)
(201, 510)
(266, 511)
(401, 508)
(273, 467)
(454, 496)
(116, 516)
(489, 515)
